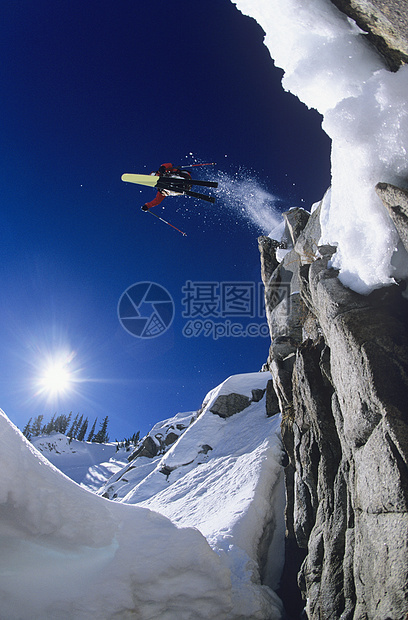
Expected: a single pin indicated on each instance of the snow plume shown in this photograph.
(330, 67)
(244, 198)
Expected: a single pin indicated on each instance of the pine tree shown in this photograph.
(92, 431)
(76, 425)
(50, 426)
(58, 424)
(132, 441)
(71, 432)
(102, 436)
(82, 430)
(65, 422)
(128, 443)
(27, 429)
(61, 423)
(36, 426)
(78, 428)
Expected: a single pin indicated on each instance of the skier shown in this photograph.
(170, 171)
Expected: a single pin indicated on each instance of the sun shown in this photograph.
(57, 375)
(56, 379)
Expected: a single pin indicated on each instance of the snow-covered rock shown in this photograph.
(329, 65)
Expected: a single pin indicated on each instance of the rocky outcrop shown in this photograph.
(158, 441)
(340, 368)
(148, 447)
(227, 405)
(386, 25)
(395, 200)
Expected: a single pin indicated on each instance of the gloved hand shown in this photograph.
(145, 208)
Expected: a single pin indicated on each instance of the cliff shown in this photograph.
(336, 302)
(339, 362)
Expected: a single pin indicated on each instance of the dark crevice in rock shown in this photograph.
(288, 591)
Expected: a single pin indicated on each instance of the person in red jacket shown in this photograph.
(166, 170)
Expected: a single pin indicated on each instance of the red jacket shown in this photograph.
(167, 169)
(156, 201)
(164, 170)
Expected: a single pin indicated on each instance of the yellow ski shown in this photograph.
(141, 179)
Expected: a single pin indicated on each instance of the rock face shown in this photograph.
(386, 24)
(396, 202)
(339, 363)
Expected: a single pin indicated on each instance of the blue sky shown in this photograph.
(92, 90)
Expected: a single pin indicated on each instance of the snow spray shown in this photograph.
(245, 198)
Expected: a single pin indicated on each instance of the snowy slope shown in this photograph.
(89, 464)
(223, 477)
(330, 67)
(106, 559)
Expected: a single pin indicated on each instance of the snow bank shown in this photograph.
(69, 554)
(329, 65)
(223, 477)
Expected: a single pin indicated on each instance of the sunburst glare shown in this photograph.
(56, 379)
(57, 376)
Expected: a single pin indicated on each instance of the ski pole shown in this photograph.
(195, 165)
(168, 223)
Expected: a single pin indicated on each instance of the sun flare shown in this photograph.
(57, 375)
(56, 379)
